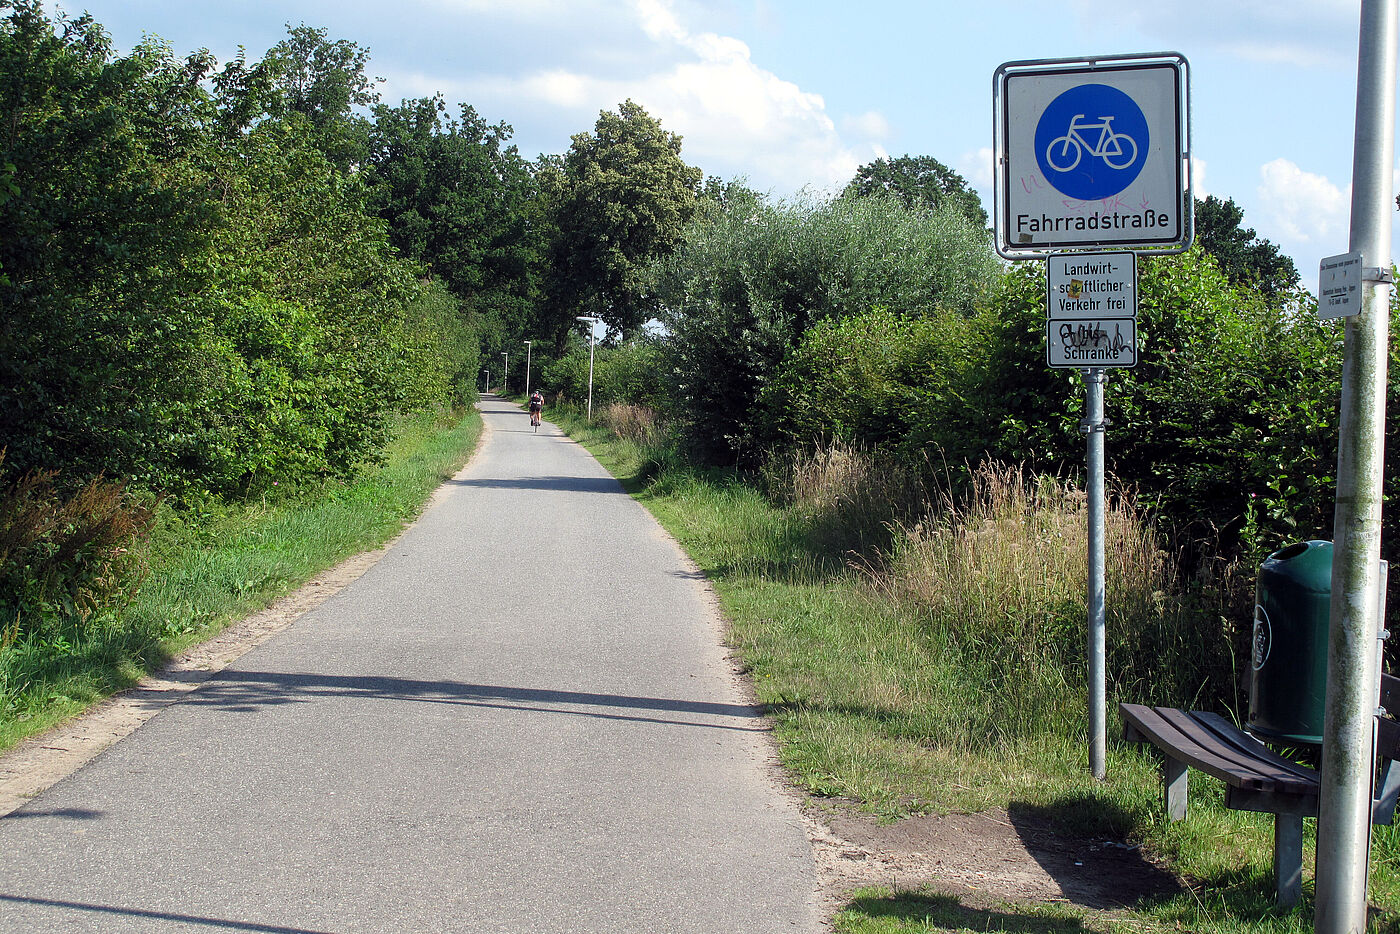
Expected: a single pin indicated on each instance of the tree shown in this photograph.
(753, 278)
(625, 198)
(99, 238)
(918, 180)
(1244, 256)
(306, 74)
(454, 196)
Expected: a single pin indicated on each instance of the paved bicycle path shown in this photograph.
(520, 720)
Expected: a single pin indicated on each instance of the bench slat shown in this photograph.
(1251, 746)
(1178, 734)
(1244, 754)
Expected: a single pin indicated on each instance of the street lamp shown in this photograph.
(488, 379)
(527, 369)
(592, 322)
(505, 380)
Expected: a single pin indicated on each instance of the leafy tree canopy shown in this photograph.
(625, 199)
(306, 74)
(454, 194)
(1244, 256)
(918, 180)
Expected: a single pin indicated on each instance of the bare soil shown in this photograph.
(990, 857)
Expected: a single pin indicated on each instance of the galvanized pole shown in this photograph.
(1093, 427)
(1344, 803)
(505, 378)
(528, 350)
(592, 323)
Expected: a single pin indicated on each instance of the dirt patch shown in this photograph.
(985, 854)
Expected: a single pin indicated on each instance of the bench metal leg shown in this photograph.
(1288, 858)
(1174, 784)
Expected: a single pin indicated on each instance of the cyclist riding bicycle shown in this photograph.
(536, 407)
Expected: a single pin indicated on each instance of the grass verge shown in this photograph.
(215, 564)
(879, 700)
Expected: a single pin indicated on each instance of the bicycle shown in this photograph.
(1111, 147)
(536, 408)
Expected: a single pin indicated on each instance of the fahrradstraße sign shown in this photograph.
(1091, 154)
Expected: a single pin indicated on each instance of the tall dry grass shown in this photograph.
(635, 423)
(1003, 568)
(65, 555)
(852, 501)
(996, 567)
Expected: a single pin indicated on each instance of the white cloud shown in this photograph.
(870, 125)
(1198, 177)
(1302, 207)
(659, 21)
(977, 167)
(736, 117)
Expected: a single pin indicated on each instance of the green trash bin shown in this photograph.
(1288, 657)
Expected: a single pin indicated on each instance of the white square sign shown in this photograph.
(1339, 286)
(1092, 154)
(1091, 310)
(1091, 343)
(1091, 285)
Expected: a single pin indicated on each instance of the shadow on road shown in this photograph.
(551, 484)
(217, 923)
(246, 691)
(70, 813)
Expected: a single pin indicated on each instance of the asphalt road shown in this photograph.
(520, 720)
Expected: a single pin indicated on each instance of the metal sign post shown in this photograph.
(1093, 426)
(1344, 798)
(1086, 294)
(1093, 153)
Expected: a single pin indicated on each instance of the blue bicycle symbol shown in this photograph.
(1092, 142)
(1117, 150)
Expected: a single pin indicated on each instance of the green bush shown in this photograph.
(753, 278)
(197, 298)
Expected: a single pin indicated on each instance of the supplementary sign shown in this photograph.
(1091, 343)
(1089, 285)
(1339, 286)
(1091, 309)
(1092, 154)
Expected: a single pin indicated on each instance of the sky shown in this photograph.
(795, 95)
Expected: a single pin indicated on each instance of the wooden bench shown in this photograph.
(1256, 778)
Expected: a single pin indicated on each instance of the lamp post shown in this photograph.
(488, 379)
(505, 379)
(527, 369)
(592, 323)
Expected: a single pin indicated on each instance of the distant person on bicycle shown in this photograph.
(536, 407)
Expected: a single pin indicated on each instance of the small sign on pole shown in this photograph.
(1339, 286)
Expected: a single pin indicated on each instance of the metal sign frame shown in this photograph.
(1099, 221)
